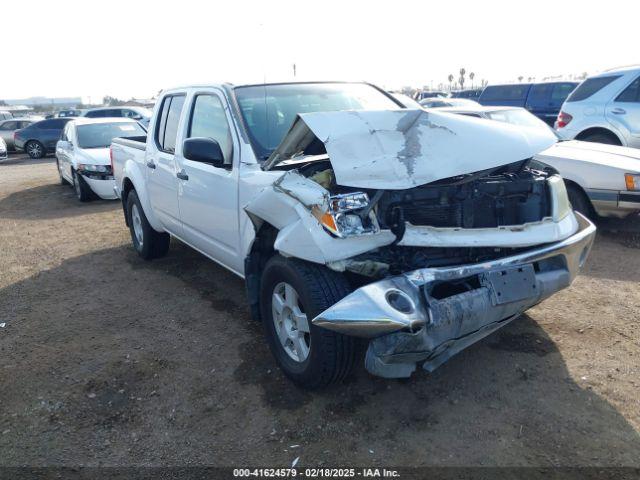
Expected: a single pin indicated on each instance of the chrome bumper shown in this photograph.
(432, 313)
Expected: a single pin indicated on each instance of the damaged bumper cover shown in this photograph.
(429, 315)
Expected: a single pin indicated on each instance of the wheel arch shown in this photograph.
(572, 184)
(599, 130)
(262, 249)
(133, 179)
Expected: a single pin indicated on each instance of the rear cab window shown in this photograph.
(590, 87)
(167, 128)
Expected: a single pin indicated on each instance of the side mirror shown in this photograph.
(63, 144)
(205, 150)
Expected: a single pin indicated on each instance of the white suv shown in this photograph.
(605, 108)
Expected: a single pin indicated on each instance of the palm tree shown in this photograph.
(462, 72)
(520, 78)
(450, 80)
(471, 76)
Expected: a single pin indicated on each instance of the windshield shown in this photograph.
(99, 135)
(519, 117)
(269, 110)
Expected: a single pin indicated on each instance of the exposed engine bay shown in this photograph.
(510, 195)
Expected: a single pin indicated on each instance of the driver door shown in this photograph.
(208, 195)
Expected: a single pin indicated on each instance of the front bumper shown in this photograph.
(101, 187)
(431, 314)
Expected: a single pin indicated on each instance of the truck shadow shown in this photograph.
(106, 345)
(49, 202)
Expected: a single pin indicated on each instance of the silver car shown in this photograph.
(7, 127)
(3, 150)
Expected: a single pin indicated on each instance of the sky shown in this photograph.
(134, 48)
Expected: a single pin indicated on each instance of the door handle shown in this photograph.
(182, 175)
(150, 164)
(618, 111)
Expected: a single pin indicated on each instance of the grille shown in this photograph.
(420, 213)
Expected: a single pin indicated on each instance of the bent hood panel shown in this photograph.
(400, 149)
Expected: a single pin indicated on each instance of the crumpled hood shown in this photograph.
(400, 149)
(94, 156)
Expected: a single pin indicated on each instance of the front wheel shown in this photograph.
(81, 189)
(579, 201)
(148, 243)
(293, 292)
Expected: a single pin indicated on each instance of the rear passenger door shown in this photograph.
(51, 130)
(162, 182)
(208, 195)
(624, 113)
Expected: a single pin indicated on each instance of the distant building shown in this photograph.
(142, 102)
(61, 102)
(17, 110)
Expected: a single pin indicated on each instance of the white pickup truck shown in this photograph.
(353, 219)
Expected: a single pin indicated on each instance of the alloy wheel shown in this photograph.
(290, 321)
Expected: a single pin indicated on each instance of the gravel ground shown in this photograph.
(109, 360)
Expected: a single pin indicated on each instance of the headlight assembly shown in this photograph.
(86, 167)
(347, 215)
(560, 206)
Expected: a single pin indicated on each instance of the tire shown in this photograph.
(81, 189)
(579, 201)
(330, 356)
(148, 243)
(608, 138)
(62, 179)
(35, 149)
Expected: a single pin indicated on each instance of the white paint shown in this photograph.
(526, 235)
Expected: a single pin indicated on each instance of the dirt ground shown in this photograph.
(109, 360)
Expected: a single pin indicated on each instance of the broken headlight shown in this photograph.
(348, 215)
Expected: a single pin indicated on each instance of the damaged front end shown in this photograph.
(430, 314)
(443, 226)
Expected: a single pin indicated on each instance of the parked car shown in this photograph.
(600, 179)
(68, 113)
(139, 114)
(472, 94)
(429, 94)
(82, 154)
(349, 216)
(3, 150)
(8, 127)
(39, 138)
(605, 108)
(5, 115)
(541, 99)
(447, 102)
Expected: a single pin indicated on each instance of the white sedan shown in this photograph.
(601, 179)
(82, 154)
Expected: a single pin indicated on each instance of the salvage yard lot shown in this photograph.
(109, 360)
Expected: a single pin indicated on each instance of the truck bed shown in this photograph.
(138, 141)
